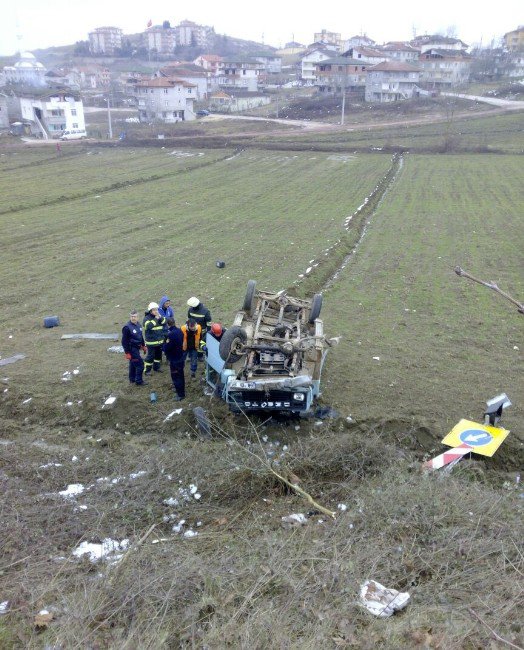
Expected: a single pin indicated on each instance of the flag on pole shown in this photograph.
(150, 23)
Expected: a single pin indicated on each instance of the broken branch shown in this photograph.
(490, 285)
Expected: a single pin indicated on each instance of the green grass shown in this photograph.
(409, 308)
(451, 541)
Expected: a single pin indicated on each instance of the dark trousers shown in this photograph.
(153, 357)
(136, 368)
(177, 375)
(193, 359)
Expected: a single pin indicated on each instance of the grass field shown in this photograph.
(444, 345)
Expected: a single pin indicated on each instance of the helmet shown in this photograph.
(193, 302)
(216, 329)
(152, 305)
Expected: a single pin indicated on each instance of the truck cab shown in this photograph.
(271, 358)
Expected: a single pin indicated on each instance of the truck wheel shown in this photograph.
(250, 294)
(202, 421)
(230, 342)
(316, 306)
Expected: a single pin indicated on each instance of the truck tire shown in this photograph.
(202, 422)
(316, 306)
(230, 339)
(250, 295)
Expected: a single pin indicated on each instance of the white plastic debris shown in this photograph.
(342, 507)
(171, 501)
(116, 348)
(72, 490)
(3, 607)
(26, 401)
(376, 358)
(137, 474)
(108, 549)
(380, 600)
(170, 415)
(190, 533)
(110, 400)
(294, 520)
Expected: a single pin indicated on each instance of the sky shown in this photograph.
(41, 24)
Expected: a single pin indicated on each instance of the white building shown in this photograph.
(27, 71)
(309, 60)
(400, 51)
(51, 114)
(189, 33)
(324, 36)
(240, 73)
(160, 39)
(165, 100)
(105, 40)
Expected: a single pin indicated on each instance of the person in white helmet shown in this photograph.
(154, 325)
(200, 313)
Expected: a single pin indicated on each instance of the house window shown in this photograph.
(166, 103)
(165, 91)
(189, 91)
(73, 111)
(75, 125)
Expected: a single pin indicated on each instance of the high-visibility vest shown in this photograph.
(198, 330)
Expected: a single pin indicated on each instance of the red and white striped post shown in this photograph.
(447, 457)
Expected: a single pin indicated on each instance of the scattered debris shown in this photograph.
(43, 618)
(26, 401)
(72, 490)
(326, 412)
(380, 600)
(109, 401)
(91, 335)
(295, 520)
(4, 607)
(107, 549)
(342, 507)
(8, 360)
(51, 321)
(116, 348)
(376, 358)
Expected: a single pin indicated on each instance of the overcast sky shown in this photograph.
(60, 22)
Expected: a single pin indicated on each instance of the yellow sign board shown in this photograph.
(482, 439)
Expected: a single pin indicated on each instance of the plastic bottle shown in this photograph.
(152, 397)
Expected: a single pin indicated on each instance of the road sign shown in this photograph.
(482, 439)
(447, 457)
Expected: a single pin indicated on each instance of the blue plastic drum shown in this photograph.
(51, 321)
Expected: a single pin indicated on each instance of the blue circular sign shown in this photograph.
(476, 437)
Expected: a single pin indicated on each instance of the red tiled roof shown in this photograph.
(164, 82)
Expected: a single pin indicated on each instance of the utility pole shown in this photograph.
(110, 131)
(277, 106)
(344, 75)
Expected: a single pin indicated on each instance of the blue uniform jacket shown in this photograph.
(132, 338)
(174, 346)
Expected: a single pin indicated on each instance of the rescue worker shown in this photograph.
(133, 343)
(217, 331)
(153, 325)
(164, 307)
(174, 351)
(192, 332)
(201, 314)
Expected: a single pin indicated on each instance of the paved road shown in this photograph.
(509, 104)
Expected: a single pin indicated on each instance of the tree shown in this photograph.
(81, 48)
(166, 24)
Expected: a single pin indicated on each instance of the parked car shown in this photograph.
(74, 134)
(271, 358)
(202, 113)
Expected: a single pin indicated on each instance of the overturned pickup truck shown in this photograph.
(271, 358)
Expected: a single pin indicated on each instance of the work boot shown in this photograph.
(193, 375)
(158, 370)
(141, 383)
(178, 398)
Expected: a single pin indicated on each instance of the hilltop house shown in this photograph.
(444, 68)
(357, 41)
(160, 39)
(191, 74)
(365, 54)
(105, 40)
(333, 75)
(309, 61)
(400, 51)
(240, 73)
(4, 113)
(189, 33)
(391, 81)
(209, 62)
(164, 99)
(514, 41)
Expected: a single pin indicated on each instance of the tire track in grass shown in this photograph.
(324, 271)
(118, 185)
